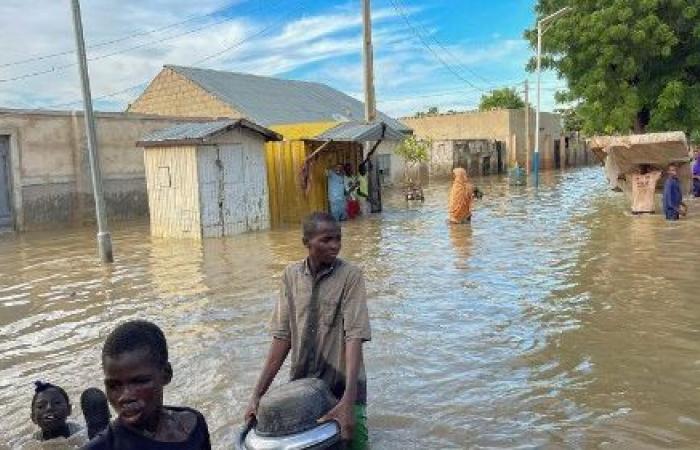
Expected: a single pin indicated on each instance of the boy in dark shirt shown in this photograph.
(136, 369)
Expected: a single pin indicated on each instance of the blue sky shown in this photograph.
(443, 53)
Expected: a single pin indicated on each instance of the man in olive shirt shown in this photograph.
(321, 316)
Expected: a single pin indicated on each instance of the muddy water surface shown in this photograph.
(555, 321)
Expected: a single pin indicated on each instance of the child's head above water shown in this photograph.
(50, 410)
(136, 369)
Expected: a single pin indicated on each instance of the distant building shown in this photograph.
(481, 139)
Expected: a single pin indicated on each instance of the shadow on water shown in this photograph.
(554, 320)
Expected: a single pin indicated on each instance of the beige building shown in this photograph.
(295, 109)
(506, 127)
(46, 177)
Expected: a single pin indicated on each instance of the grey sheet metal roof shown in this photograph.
(198, 132)
(274, 101)
(359, 132)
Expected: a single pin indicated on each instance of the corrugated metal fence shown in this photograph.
(289, 204)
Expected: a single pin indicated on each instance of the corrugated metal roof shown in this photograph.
(196, 132)
(360, 131)
(274, 101)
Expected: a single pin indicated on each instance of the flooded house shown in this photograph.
(306, 114)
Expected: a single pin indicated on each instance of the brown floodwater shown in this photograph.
(556, 320)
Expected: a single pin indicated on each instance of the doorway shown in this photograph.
(5, 198)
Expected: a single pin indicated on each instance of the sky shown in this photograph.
(442, 53)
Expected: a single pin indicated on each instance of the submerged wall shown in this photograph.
(50, 176)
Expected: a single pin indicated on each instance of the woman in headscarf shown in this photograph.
(461, 197)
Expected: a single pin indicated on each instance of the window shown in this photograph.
(164, 180)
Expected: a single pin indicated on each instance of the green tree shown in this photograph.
(506, 98)
(414, 151)
(571, 119)
(630, 64)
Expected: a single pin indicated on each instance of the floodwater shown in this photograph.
(556, 320)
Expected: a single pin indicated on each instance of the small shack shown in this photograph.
(207, 179)
(297, 168)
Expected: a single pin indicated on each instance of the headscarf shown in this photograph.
(460, 206)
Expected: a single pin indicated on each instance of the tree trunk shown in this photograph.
(641, 121)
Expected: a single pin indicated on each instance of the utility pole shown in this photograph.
(374, 183)
(540, 32)
(104, 238)
(527, 127)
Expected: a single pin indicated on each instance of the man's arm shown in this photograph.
(343, 412)
(279, 349)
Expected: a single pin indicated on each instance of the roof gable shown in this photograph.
(274, 101)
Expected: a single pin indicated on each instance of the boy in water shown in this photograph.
(321, 317)
(50, 410)
(136, 369)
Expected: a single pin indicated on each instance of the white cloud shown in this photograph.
(325, 46)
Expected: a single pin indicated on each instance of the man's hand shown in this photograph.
(252, 409)
(343, 414)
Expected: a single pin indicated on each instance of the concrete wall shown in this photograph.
(171, 94)
(507, 126)
(50, 174)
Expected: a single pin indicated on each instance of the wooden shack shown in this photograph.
(207, 179)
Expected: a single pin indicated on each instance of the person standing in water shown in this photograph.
(321, 317)
(336, 193)
(673, 196)
(644, 190)
(461, 198)
(363, 190)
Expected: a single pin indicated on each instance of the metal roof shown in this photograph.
(359, 132)
(199, 132)
(274, 101)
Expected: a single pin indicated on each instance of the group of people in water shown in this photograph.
(348, 192)
(643, 189)
(320, 319)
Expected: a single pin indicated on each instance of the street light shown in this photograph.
(541, 23)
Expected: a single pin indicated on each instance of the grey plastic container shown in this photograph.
(293, 408)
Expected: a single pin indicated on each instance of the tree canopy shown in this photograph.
(506, 98)
(629, 64)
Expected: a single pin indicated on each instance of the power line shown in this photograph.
(118, 52)
(430, 49)
(117, 40)
(214, 55)
(449, 52)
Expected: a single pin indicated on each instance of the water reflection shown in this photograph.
(554, 321)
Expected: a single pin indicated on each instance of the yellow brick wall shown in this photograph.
(171, 94)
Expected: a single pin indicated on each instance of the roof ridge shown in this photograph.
(245, 74)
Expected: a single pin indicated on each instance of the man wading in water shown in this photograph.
(321, 316)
